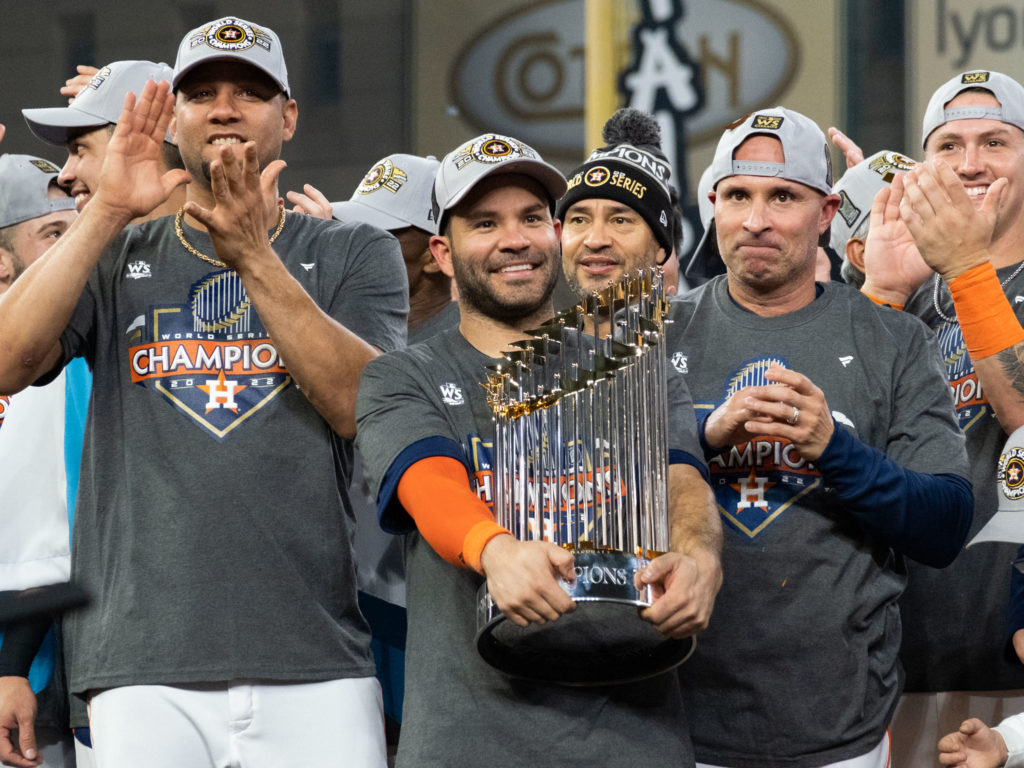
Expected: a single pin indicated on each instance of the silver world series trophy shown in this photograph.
(581, 460)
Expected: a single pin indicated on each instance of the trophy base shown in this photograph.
(602, 642)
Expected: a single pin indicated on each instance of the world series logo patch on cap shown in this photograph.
(231, 35)
(767, 122)
(891, 163)
(1010, 474)
(492, 148)
(384, 175)
(975, 77)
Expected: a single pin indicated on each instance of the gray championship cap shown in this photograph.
(232, 39)
(805, 160)
(803, 146)
(1008, 92)
(1007, 524)
(25, 189)
(394, 194)
(98, 104)
(487, 155)
(857, 189)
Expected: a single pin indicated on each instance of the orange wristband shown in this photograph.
(987, 320)
(881, 303)
(448, 514)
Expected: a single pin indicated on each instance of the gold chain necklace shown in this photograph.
(209, 259)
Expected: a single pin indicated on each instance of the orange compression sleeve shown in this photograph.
(881, 303)
(453, 519)
(987, 320)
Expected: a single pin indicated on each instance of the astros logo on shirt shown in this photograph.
(210, 356)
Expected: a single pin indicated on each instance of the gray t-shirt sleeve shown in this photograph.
(372, 297)
(393, 413)
(924, 435)
(682, 424)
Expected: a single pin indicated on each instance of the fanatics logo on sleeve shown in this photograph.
(452, 394)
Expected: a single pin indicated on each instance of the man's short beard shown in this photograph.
(476, 296)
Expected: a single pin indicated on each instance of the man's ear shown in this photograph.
(829, 208)
(855, 253)
(291, 118)
(6, 269)
(441, 247)
(427, 263)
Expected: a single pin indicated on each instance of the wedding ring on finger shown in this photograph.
(795, 418)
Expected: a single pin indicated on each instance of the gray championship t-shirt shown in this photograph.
(209, 527)
(798, 667)
(954, 620)
(459, 710)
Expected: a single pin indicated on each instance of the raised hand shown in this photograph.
(952, 235)
(853, 153)
(75, 84)
(974, 745)
(893, 266)
(245, 204)
(312, 203)
(131, 182)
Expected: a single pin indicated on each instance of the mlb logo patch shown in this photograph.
(767, 122)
